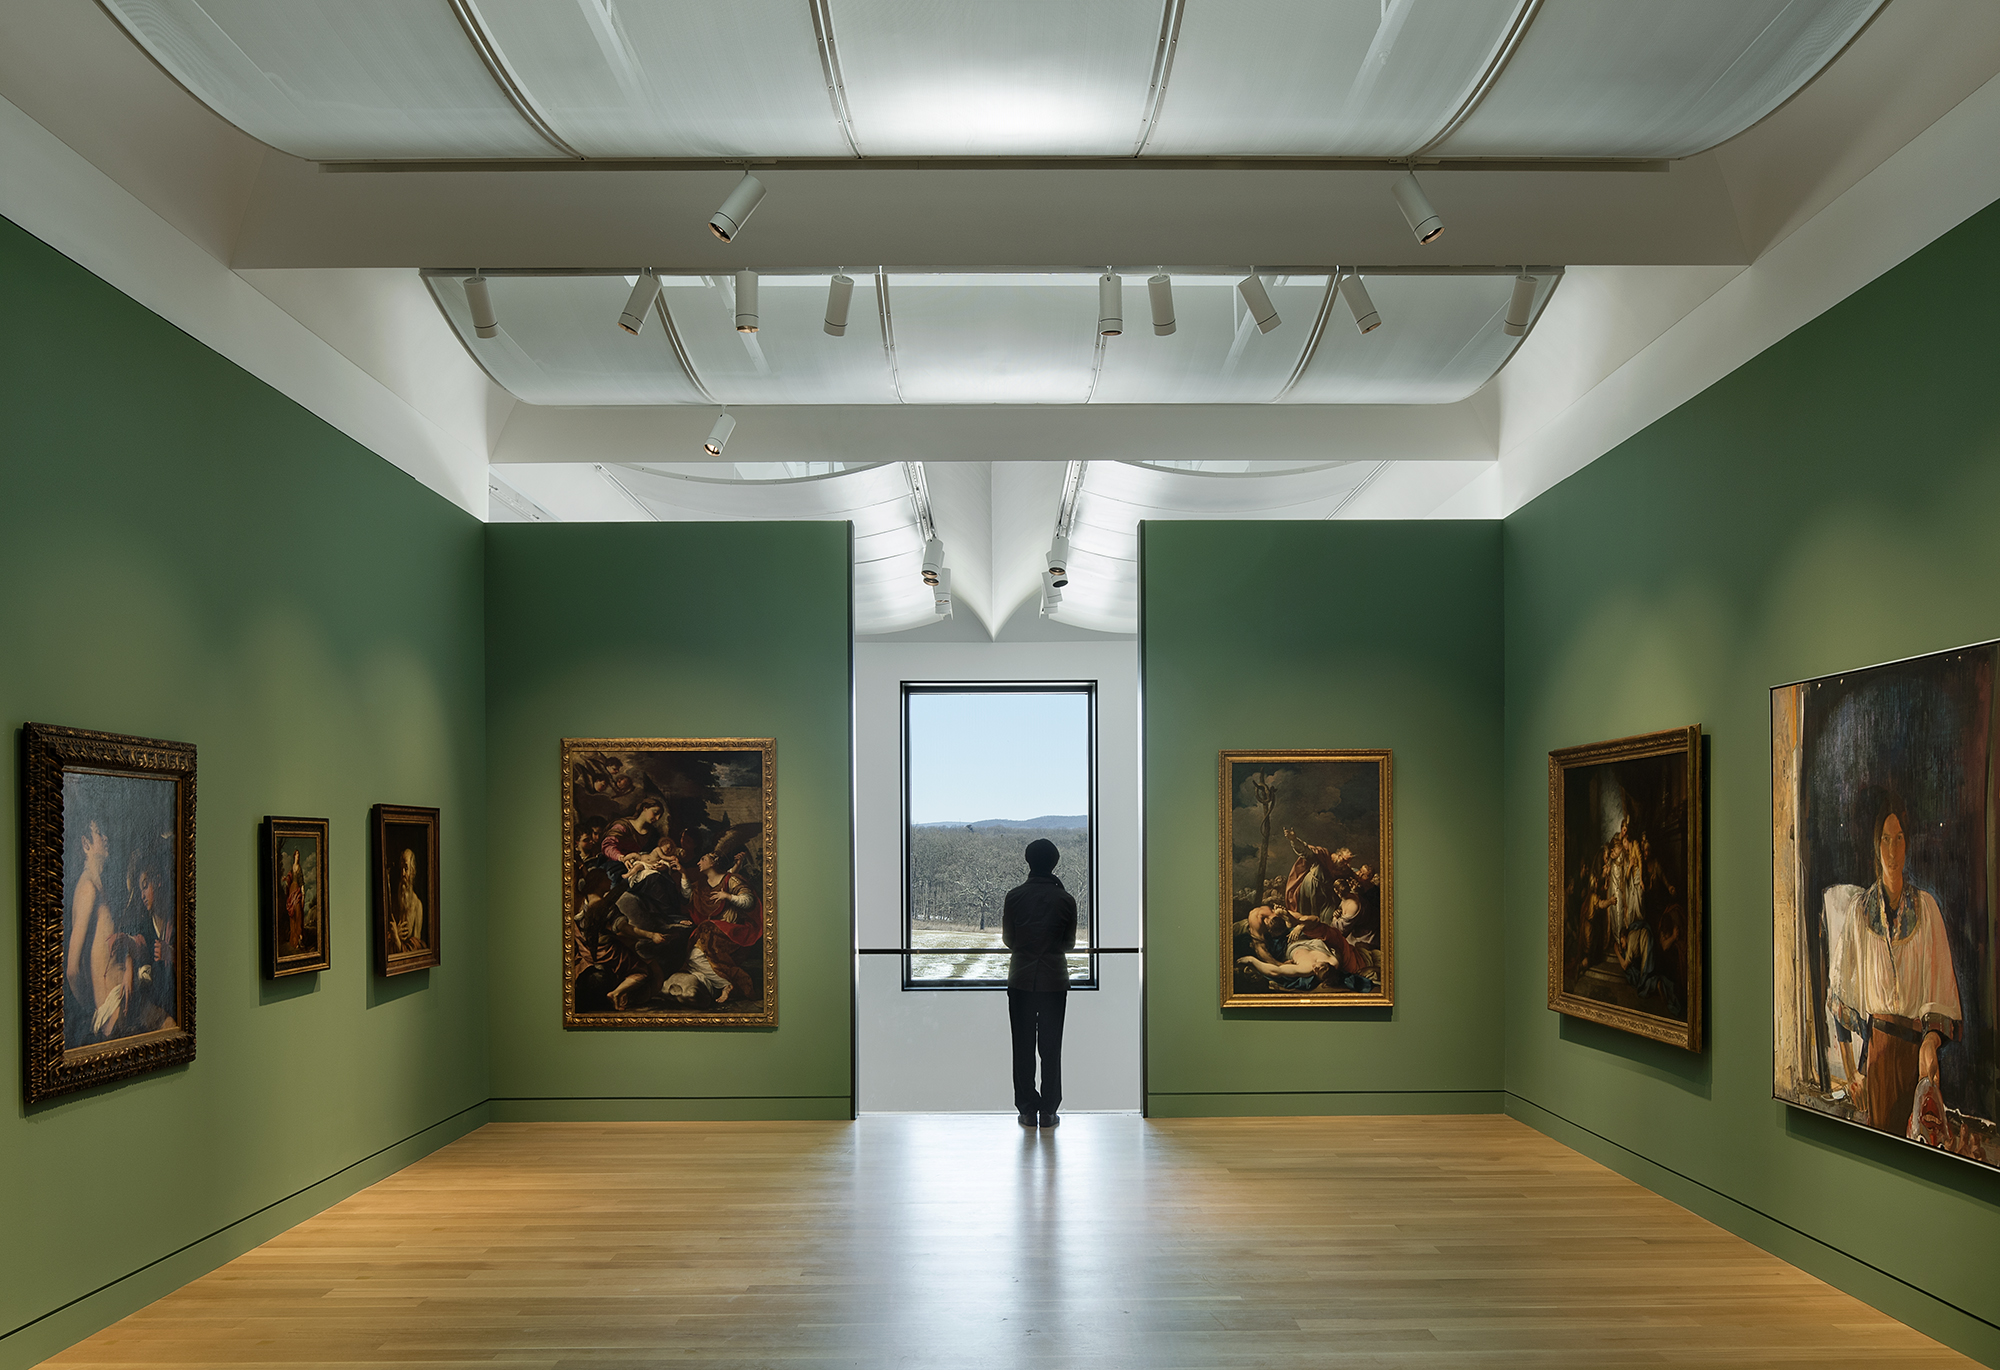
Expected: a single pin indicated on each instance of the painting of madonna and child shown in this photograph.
(1625, 928)
(1883, 827)
(669, 878)
(1306, 909)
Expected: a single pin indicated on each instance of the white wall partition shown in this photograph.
(939, 1051)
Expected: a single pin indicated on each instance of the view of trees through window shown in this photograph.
(988, 770)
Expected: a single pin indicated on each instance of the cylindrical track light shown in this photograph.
(941, 594)
(839, 295)
(1160, 291)
(933, 561)
(736, 209)
(1051, 594)
(1417, 211)
(1521, 308)
(746, 302)
(1110, 305)
(1358, 303)
(638, 302)
(1251, 288)
(718, 436)
(484, 321)
(1059, 561)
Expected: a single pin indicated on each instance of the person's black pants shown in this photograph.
(1036, 1017)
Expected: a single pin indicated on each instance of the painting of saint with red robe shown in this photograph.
(1305, 856)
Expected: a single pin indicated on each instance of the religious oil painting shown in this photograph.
(109, 926)
(1625, 884)
(1883, 918)
(296, 937)
(669, 880)
(1307, 917)
(403, 876)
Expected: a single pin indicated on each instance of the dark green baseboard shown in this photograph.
(1962, 1331)
(1341, 1104)
(91, 1313)
(669, 1110)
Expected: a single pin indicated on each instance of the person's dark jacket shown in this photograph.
(1038, 924)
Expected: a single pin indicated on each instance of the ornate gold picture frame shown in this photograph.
(403, 852)
(1626, 938)
(298, 936)
(1307, 859)
(669, 882)
(109, 918)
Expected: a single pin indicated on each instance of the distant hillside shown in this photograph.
(960, 878)
(1050, 821)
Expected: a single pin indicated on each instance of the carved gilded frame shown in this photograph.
(1565, 765)
(53, 1068)
(1381, 760)
(572, 898)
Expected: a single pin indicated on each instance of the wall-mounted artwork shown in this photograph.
(109, 925)
(1307, 917)
(297, 939)
(403, 876)
(1625, 884)
(669, 882)
(1883, 845)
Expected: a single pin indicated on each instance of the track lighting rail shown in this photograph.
(853, 164)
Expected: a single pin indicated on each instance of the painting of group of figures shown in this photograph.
(669, 875)
(1625, 934)
(1884, 845)
(1306, 909)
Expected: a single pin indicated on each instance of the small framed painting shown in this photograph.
(109, 925)
(1625, 884)
(297, 936)
(1307, 916)
(403, 879)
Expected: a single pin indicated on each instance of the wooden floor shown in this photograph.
(965, 1241)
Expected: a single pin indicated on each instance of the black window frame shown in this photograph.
(1087, 930)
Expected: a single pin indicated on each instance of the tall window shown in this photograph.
(987, 769)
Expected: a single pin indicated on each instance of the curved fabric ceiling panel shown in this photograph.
(790, 359)
(1026, 78)
(560, 343)
(1339, 78)
(995, 338)
(330, 80)
(649, 78)
(1215, 355)
(1441, 339)
(1592, 79)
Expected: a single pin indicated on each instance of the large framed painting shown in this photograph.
(1625, 884)
(670, 879)
(403, 880)
(109, 926)
(297, 939)
(1307, 914)
(1883, 904)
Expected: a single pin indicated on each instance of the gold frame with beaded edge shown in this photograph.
(1655, 777)
(647, 933)
(85, 790)
(1340, 860)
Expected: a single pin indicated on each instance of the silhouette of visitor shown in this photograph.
(1038, 924)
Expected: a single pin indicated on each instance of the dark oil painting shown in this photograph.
(1307, 917)
(297, 939)
(409, 931)
(669, 882)
(1625, 885)
(1883, 783)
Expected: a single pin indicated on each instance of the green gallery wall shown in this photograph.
(1326, 635)
(187, 554)
(670, 630)
(1832, 504)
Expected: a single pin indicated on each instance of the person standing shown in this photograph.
(1038, 924)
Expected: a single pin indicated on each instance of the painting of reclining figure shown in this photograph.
(1307, 917)
(669, 880)
(1883, 900)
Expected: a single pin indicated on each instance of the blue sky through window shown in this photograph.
(975, 756)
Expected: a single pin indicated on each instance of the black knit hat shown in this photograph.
(1042, 856)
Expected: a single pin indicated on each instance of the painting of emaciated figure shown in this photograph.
(1883, 848)
(669, 882)
(1307, 918)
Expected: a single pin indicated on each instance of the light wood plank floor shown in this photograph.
(965, 1241)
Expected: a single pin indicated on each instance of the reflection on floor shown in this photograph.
(966, 1241)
